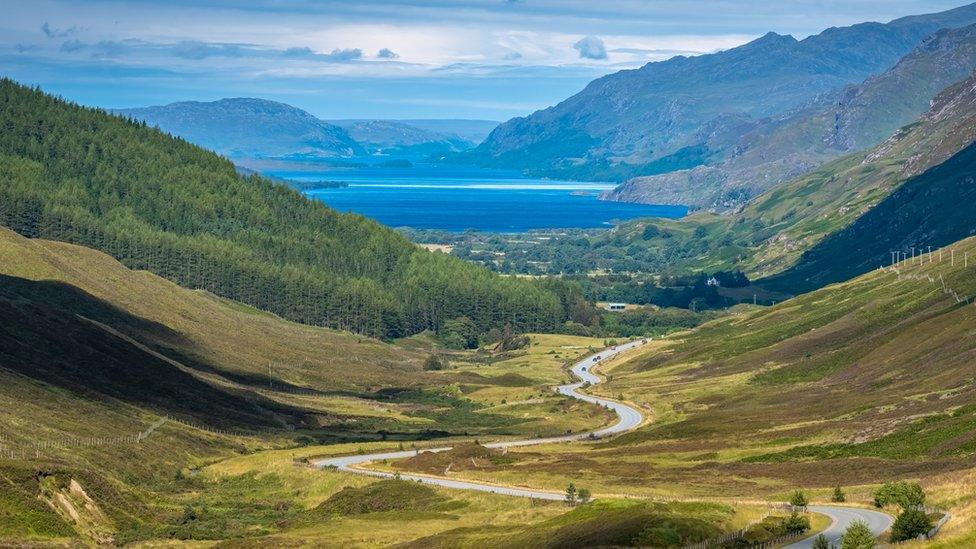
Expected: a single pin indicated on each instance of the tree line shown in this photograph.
(159, 203)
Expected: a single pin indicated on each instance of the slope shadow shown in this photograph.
(42, 337)
(934, 208)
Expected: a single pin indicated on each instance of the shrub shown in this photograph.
(799, 499)
(434, 363)
(838, 496)
(858, 536)
(820, 542)
(571, 494)
(907, 495)
(796, 523)
(910, 524)
(583, 495)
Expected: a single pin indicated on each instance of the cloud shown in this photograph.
(335, 56)
(191, 49)
(71, 45)
(591, 47)
(387, 53)
(57, 33)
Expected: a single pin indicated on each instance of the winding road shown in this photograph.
(841, 518)
(629, 418)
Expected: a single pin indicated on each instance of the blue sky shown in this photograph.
(491, 59)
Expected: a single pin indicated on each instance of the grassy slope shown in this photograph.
(152, 348)
(236, 341)
(850, 385)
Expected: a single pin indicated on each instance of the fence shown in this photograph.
(716, 542)
(37, 447)
(937, 526)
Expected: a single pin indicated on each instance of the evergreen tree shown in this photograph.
(158, 203)
(910, 524)
(571, 494)
(858, 536)
(838, 496)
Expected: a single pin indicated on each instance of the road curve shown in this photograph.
(841, 519)
(628, 419)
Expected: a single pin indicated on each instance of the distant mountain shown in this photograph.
(667, 115)
(474, 131)
(401, 138)
(163, 205)
(246, 127)
(835, 124)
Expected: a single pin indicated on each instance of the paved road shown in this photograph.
(629, 418)
(842, 518)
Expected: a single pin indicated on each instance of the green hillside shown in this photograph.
(93, 353)
(857, 383)
(155, 202)
(770, 234)
(928, 211)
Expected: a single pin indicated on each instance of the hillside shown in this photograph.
(246, 127)
(93, 354)
(781, 148)
(667, 115)
(158, 203)
(393, 137)
(930, 210)
(769, 235)
(858, 383)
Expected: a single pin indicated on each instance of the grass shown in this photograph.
(601, 523)
(152, 349)
(877, 374)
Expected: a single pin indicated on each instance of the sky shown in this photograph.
(485, 59)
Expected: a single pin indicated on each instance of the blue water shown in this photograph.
(456, 198)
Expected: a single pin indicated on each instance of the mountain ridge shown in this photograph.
(853, 118)
(227, 126)
(622, 123)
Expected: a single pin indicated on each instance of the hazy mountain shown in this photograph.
(667, 115)
(832, 125)
(396, 137)
(475, 131)
(246, 127)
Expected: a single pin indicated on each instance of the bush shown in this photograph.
(838, 496)
(434, 363)
(858, 536)
(796, 523)
(907, 495)
(910, 524)
(799, 499)
(820, 542)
